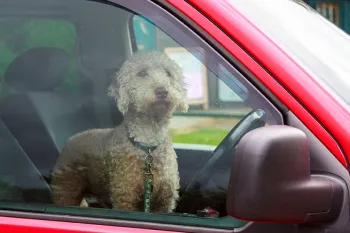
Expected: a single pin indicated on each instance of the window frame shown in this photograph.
(234, 67)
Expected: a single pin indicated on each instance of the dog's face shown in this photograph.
(150, 83)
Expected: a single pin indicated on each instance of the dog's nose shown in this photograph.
(161, 93)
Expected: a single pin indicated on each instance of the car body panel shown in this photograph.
(10, 224)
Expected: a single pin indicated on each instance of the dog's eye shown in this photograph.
(142, 73)
(168, 73)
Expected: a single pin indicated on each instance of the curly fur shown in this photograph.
(105, 164)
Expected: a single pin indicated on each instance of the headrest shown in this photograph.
(38, 69)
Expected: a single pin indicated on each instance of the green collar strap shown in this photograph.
(142, 146)
(146, 148)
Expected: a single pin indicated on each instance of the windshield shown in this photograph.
(322, 48)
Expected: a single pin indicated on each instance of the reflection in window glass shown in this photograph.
(144, 33)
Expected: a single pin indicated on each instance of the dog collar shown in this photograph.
(142, 146)
(146, 148)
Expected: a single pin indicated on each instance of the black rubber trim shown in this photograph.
(234, 62)
(223, 52)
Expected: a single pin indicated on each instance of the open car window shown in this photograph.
(77, 87)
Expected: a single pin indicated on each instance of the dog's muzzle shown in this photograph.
(161, 93)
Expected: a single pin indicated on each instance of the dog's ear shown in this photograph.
(119, 93)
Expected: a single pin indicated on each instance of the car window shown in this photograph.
(118, 110)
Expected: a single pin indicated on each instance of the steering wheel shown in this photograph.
(208, 188)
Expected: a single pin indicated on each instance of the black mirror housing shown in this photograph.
(271, 180)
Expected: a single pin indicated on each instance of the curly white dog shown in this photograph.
(110, 163)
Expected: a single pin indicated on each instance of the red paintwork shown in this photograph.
(13, 225)
(292, 78)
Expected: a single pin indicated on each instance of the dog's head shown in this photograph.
(150, 83)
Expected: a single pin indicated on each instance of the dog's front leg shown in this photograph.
(67, 187)
(166, 198)
(166, 204)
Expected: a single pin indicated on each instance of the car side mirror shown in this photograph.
(271, 180)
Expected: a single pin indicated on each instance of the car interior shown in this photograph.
(38, 118)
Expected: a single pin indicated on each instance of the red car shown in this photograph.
(265, 144)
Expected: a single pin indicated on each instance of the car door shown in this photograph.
(224, 90)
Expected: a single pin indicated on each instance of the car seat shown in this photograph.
(40, 117)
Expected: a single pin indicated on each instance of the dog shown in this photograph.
(110, 163)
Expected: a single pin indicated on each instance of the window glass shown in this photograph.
(214, 106)
(19, 35)
(112, 104)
